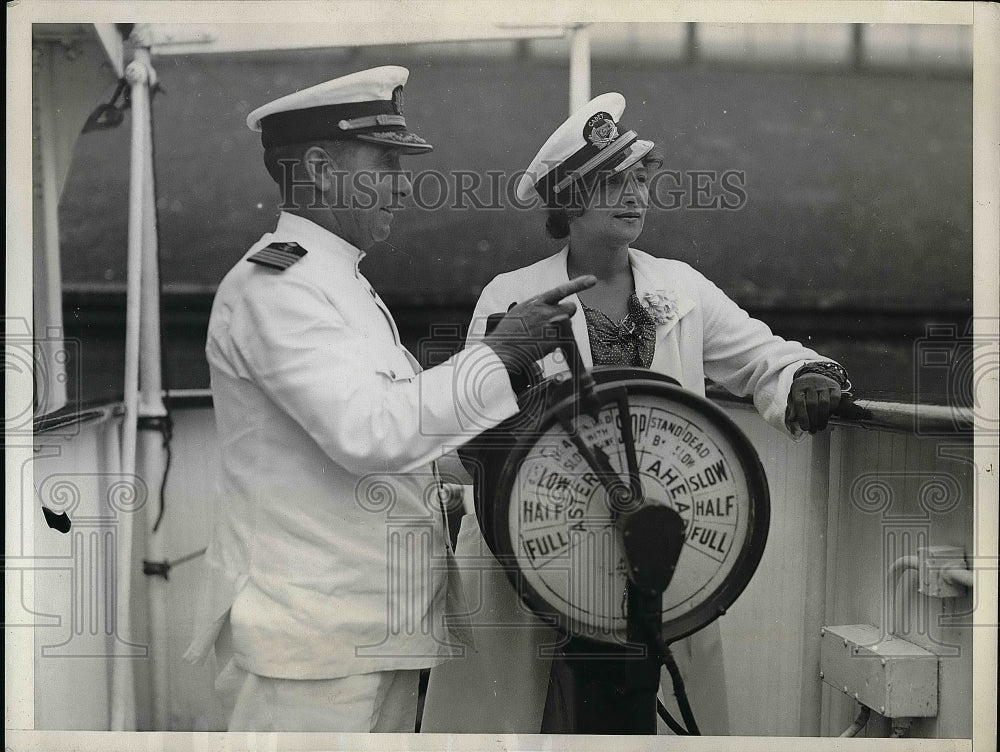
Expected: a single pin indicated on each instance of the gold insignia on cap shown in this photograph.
(600, 130)
(397, 100)
(404, 139)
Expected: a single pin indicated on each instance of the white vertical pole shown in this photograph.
(138, 77)
(123, 717)
(48, 277)
(579, 68)
(152, 458)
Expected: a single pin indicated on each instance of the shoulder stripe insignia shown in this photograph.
(278, 256)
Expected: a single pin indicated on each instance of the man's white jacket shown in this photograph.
(327, 551)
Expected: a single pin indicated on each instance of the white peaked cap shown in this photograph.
(590, 139)
(367, 105)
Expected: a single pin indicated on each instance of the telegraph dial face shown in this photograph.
(554, 519)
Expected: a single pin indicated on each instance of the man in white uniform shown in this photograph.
(330, 575)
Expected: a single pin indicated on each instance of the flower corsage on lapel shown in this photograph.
(661, 304)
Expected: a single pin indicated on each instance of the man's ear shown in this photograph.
(319, 167)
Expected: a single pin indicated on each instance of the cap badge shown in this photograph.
(397, 100)
(600, 130)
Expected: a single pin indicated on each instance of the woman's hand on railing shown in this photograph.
(812, 399)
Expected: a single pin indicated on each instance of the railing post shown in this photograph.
(123, 715)
(149, 452)
(691, 43)
(858, 46)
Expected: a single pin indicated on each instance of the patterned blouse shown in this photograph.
(630, 342)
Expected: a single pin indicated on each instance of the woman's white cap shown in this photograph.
(591, 139)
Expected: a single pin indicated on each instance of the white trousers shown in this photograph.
(382, 701)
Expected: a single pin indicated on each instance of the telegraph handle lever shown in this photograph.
(583, 382)
(652, 539)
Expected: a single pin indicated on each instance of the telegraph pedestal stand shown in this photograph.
(628, 513)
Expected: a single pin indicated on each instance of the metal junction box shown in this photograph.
(893, 677)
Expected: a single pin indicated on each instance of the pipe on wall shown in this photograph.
(898, 567)
(859, 723)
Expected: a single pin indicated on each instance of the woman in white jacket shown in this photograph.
(644, 311)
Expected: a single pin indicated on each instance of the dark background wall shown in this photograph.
(855, 236)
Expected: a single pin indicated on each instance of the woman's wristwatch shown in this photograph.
(829, 369)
